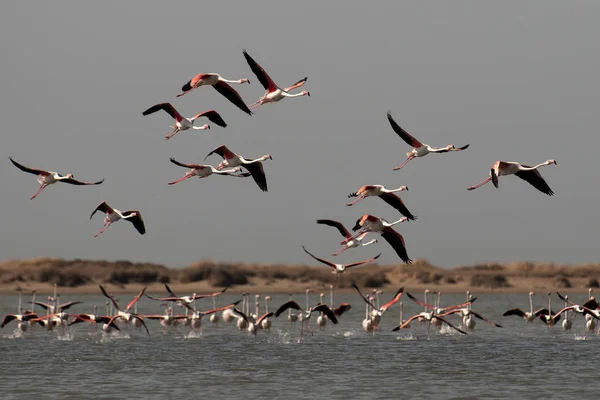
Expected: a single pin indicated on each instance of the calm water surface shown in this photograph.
(341, 362)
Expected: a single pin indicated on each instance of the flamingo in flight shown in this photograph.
(46, 178)
(307, 314)
(585, 309)
(342, 308)
(526, 315)
(255, 167)
(183, 123)
(339, 269)
(273, 92)
(221, 85)
(21, 318)
(113, 215)
(384, 194)
(377, 312)
(253, 326)
(371, 223)
(125, 315)
(342, 229)
(525, 172)
(418, 149)
(203, 171)
(185, 300)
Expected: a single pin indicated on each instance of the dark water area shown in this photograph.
(520, 360)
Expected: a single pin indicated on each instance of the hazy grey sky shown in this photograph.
(518, 80)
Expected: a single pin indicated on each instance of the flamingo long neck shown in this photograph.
(307, 299)
(19, 304)
(401, 319)
(266, 306)
(366, 311)
(33, 302)
(214, 303)
(395, 222)
(289, 309)
(377, 298)
(549, 307)
(401, 188)
(530, 304)
(331, 296)
(228, 81)
(534, 167)
(256, 309)
(370, 242)
(286, 94)
(199, 128)
(425, 300)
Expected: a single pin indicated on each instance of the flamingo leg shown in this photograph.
(173, 132)
(404, 163)
(301, 332)
(181, 179)
(355, 201)
(255, 104)
(480, 184)
(340, 251)
(39, 191)
(308, 327)
(106, 225)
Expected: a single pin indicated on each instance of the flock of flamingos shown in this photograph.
(235, 165)
(116, 318)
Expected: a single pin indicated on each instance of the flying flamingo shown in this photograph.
(221, 85)
(377, 312)
(183, 123)
(203, 171)
(93, 319)
(419, 149)
(527, 316)
(185, 300)
(386, 195)
(293, 317)
(21, 318)
(321, 319)
(307, 314)
(467, 315)
(525, 172)
(273, 92)
(232, 159)
(342, 229)
(339, 269)
(113, 215)
(339, 310)
(371, 223)
(196, 318)
(46, 178)
(547, 316)
(588, 309)
(430, 315)
(125, 315)
(253, 325)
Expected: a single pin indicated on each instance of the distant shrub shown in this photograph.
(563, 282)
(450, 280)
(490, 281)
(68, 278)
(133, 275)
(376, 280)
(593, 283)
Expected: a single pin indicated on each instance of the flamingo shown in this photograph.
(203, 171)
(221, 85)
(93, 319)
(273, 92)
(183, 123)
(339, 269)
(377, 312)
(46, 178)
(367, 323)
(371, 223)
(266, 322)
(293, 317)
(588, 309)
(21, 318)
(300, 314)
(253, 325)
(427, 316)
(307, 314)
(242, 324)
(321, 319)
(525, 172)
(527, 316)
(547, 316)
(339, 310)
(232, 159)
(196, 318)
(185, 300)
(467, 315)
(342, 229)
(386, 195)
(401, 315)
(418, 149)
(125, 315)
(166, 319)
(113, 215)
(214, 317)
